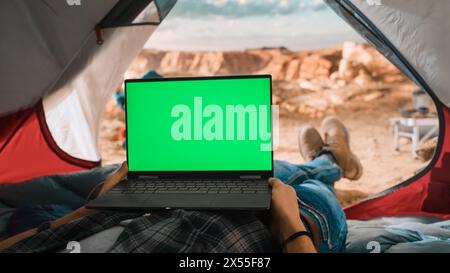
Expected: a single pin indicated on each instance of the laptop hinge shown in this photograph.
(146, 176)
(250, 176)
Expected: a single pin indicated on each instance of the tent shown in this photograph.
(61, 61)
(412, 34)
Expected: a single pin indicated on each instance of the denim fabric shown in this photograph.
(314, 184)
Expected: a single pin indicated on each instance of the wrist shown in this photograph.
(291, 227)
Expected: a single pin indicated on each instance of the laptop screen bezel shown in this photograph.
(203, 174)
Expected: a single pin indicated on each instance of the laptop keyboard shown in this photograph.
(192, 186)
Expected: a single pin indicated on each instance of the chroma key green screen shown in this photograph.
(199, 124)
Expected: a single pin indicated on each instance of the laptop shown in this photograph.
(202, 143)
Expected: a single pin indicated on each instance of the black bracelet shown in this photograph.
(295, 236)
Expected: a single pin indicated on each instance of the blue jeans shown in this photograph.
(314, 184)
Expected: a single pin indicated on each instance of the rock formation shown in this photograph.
(309, 82)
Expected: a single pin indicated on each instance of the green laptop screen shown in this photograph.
(203, 124)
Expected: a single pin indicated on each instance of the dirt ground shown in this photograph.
(371, 140)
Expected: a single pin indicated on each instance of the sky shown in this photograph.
(244, 24)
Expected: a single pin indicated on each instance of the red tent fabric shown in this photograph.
(27, 149)
(429, 195)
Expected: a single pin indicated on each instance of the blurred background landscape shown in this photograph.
(319, 66)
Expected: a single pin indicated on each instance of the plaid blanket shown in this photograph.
(163, 231)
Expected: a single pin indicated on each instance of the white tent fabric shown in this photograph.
(77, 106)
(419, 30)
(40, 41)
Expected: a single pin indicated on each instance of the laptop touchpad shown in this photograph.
(179, 201)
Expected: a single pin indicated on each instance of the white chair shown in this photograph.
(418, 130)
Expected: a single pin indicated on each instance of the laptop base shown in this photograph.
(191, 201)
(144, 194)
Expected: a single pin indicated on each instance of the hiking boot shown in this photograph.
(337, 141)
(310, 142)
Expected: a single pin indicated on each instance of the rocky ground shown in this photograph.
(351, 81)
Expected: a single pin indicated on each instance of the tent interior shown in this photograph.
(53, 97)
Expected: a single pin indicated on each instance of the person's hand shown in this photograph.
(284, 210)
